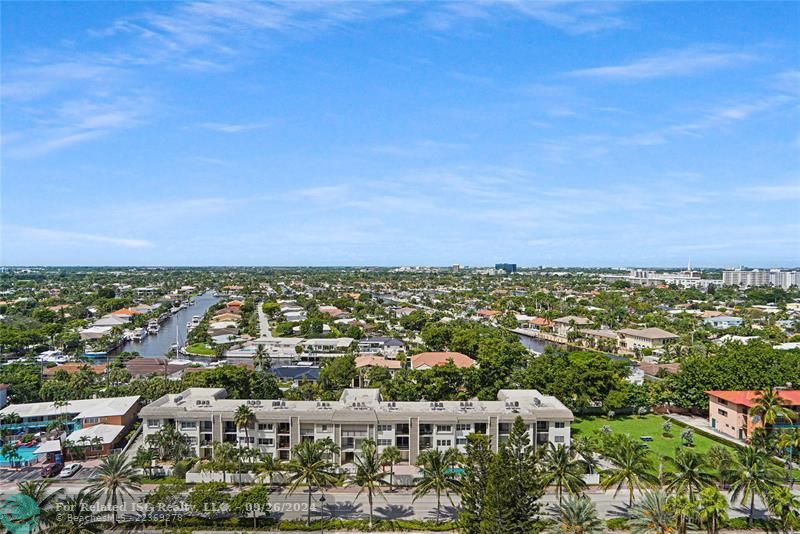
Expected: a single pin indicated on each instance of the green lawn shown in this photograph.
(649, 425)
(200, 348)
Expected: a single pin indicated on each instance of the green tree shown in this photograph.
(390, 456)
(690, 475)
(474, 482)
(244, 418)
(631, 466)
(770, 407)
(166, 499)
(712, 509)
(253, 500)
(785, 505)
(224, 453)
(369, 474)
(208, 498)
(562, 469)
(76, 514)
(46, 500)
(437, 476)
(752, 475)
(652, 514)
(310, 466)
(144, 460)
(578, 515)
(115, 478)
(514, 488)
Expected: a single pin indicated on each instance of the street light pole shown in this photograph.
(322, 511)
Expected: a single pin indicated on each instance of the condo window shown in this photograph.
(560, 424)
(723, 413)
(463, 427)
(444, 428)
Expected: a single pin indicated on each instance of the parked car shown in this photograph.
(51, 470)
(69, 470)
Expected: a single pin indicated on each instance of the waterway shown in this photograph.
(536, 345)
(156, 345)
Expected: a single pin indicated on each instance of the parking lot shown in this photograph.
(35, 473)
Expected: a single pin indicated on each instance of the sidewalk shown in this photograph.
(700, 423)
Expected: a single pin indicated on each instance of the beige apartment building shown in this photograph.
(206, 415)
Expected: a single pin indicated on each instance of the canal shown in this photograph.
(156, 345)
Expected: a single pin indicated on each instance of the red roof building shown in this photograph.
(426, 360)
(728, 411)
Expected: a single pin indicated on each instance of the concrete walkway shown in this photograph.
(701, 423)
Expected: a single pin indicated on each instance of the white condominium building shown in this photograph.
(757, 277)
(206, 416)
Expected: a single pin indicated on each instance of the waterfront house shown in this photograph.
(427, 360)
(632, 339)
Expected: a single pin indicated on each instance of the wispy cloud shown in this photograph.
(77, 121)
(48, 235)
(684, 62)
(233, 127)
(787, 192)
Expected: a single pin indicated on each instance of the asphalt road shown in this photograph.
(344, 503)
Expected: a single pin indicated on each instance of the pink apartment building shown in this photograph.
(728, 411)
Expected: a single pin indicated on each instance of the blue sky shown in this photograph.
(386, 133)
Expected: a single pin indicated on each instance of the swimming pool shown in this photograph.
(25, 456)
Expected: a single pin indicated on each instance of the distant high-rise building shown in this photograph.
(507, 267)
(456, 268)
(758, 277)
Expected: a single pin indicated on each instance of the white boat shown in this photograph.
(153, 327)
(196, 320)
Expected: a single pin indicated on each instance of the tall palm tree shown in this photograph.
(437, 476)
(390, 455)
(690, 475)
(310, 466)
(631, 466)
(785, 505)
(46, 500)
(562, 469)
(244, 418)
(770, 406)
(261, 360)
(267, 468)
(752, 474)
(115, 478)
(369, 475)
(788, 444)
(584, 451)
(578, 515)
(224, 454)
(652, 514)
(76, 514)
(712, 509)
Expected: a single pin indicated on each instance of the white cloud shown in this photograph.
(684, 62)
(232, 127)
(789, 192)
(51, 236)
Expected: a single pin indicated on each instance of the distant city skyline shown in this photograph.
(392, 133)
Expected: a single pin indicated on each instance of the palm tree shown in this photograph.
(584, 451)
(76, 514)
(46, 500)
(652, 514)
(684, 509)
(390, 455)
(785, 505)
(631, 467)
(261, 360)
(578, 515)
(116, 477)
(770, 406)
(244, 418)
(712, 509)
(752, 474)
(9, 452)
(690, 475)
(561, 468)
(310, 466)
(369, 474)
(788, 443)
(268, 466)
(224, 453)
(144, 460)
(437, 476)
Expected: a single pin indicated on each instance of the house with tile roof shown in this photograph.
(728, 411)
